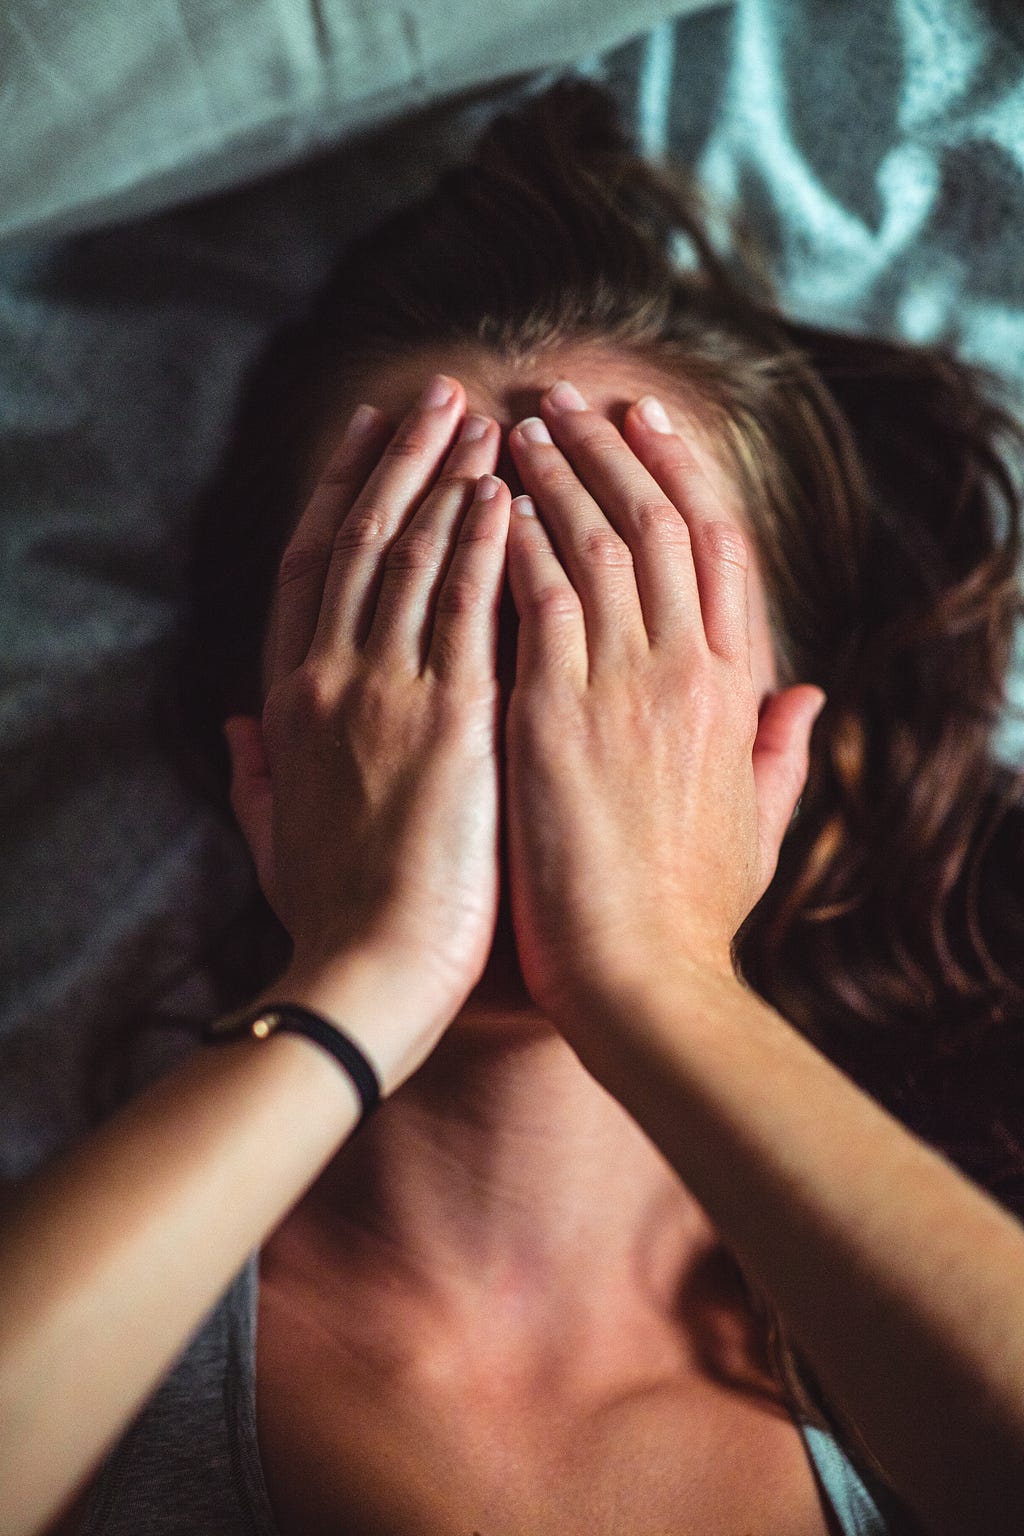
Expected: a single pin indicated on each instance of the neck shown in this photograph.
(502, 1168)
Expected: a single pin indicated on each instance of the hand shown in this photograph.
(646, 800)
(370, 797)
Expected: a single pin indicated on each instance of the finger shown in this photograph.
(398, 483)
(781, 757)
(675, 459)
(251, 791)
(595, 558)
(303, 569)
(416, 561)
(654, 528)
(552, 643)
(722, 557)
(464, 643)
(694, 482)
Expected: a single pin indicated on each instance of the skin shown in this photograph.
(370, 793)
(503, 395)
(503, 1174)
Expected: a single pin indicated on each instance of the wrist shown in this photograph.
(373, 999)
(655, 980)
(624, 1013)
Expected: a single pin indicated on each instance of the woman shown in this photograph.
(528, 861)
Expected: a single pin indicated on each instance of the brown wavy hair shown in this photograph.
(879, 484)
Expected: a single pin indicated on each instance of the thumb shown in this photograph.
(252, 798)
(781, 757)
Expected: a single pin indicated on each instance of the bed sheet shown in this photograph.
(878, 149)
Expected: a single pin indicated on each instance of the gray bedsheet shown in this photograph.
(878, 149)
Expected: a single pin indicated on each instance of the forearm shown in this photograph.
(113, 1256)
(901, 1280)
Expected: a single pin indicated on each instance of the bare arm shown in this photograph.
(635, 709)
(901, 1280)
(111, 1257)
(371, 808)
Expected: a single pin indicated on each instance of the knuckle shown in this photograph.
(448, 484)
(459, 597)
(340, 472)
(556, 601)
(675, 458)
(481, 529)
(675, 453)
(658, 519)
(409, 442)
(370, 697)
(416, 550)
(302, 560)
(695, 689)
(364, 528)
(604, 547)
(592, 433)
(312, 693)
(726, 544)
(367, 705)
(554, 475)
(304, 700)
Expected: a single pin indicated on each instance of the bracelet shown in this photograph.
(293, 1019)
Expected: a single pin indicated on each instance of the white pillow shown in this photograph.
(113, 108)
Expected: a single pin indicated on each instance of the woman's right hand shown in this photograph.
(369, 792)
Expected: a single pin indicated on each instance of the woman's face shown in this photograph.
(610, 382)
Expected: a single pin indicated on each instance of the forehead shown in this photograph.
(509, 389)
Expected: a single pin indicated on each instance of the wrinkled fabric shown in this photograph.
(110, 110)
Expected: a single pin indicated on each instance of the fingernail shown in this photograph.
(654, 413)
(566, 397)
(524, 506)
(437, 393)
(363, 418)
(819, 707)
(534, 430)
(487, 487)
(473, 429)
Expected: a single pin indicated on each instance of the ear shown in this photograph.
(781, 759)
(252, 797)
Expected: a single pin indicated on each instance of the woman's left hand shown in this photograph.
(646, 797)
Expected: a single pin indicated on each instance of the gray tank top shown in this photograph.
(189, 1465)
